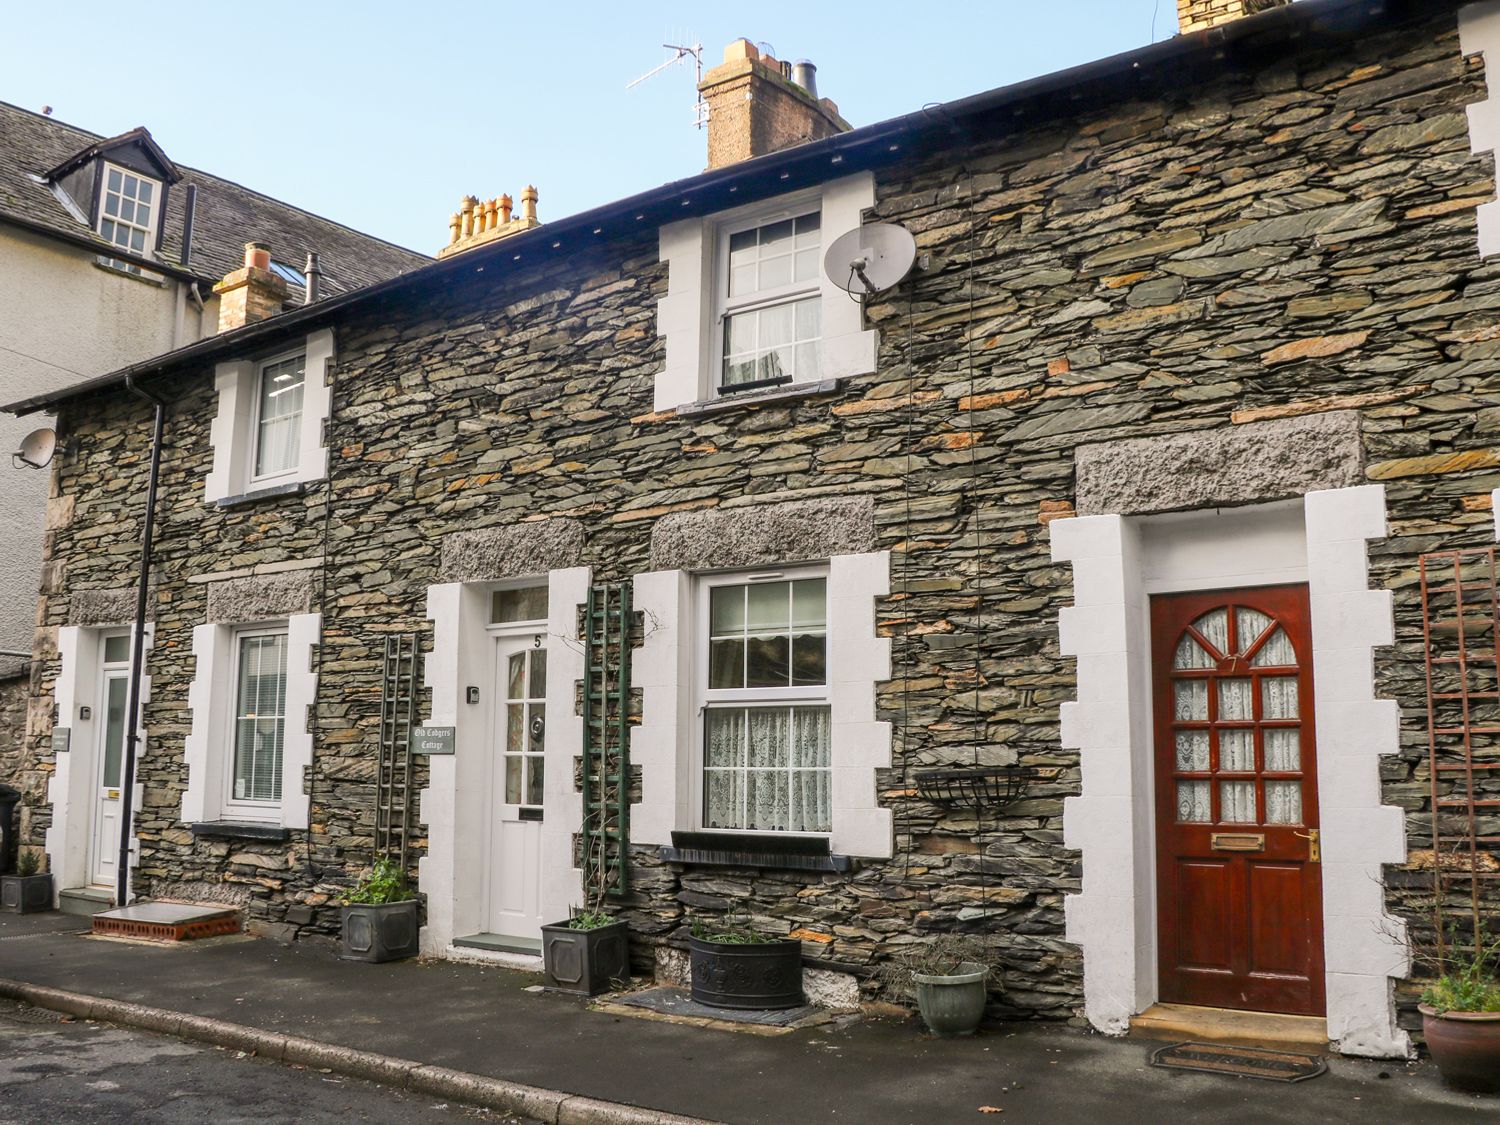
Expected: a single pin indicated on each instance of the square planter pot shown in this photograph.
(384, 932)
(25, 894)
(585, 962)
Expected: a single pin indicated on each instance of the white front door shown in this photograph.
(109, 758)
(518, 724)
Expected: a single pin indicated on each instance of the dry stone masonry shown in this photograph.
(1277, 267)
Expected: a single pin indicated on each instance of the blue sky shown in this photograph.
(382, 115)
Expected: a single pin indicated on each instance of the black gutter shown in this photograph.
(103, 249)
(137, 647)
(864, 148)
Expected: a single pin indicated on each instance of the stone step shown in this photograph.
(1188, 1023)
(84, 901)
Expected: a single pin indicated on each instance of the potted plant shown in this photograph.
(588, 954)
(26, 891)
(379, 916)
(735, 967)
(949, 976)
(1461, 1018)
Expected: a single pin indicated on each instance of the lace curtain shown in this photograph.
(767, 769)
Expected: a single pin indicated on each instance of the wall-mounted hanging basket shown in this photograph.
(977, 787)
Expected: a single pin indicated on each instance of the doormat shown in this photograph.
(677, 1006)
(1246, 1062)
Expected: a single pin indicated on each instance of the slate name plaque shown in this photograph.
(62, 739)
(432, 740)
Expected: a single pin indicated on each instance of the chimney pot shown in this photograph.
(257, 255)
(1200, 15)
(805, 74)
(313, 271)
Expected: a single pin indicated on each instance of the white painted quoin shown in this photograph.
(1479, 34)
(666, 744)
(455, 806)
(1118, 563)
(73, 790)
(686, 315)
(208, 749)
(232, 432)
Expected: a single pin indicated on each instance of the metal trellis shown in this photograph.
(398, 715)
(606, 737)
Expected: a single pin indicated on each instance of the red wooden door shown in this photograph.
(1239, 885)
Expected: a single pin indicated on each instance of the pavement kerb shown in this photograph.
(555, 1107)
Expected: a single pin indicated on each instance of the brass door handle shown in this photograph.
(1314, 844)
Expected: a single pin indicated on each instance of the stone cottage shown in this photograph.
(1065, 593)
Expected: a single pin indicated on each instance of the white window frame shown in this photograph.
(234, 432)
(257, 396)
(243, 808)
(704, 697)
(691, 315)
(151, 229)
(725, 306)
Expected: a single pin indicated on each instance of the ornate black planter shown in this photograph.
(585, 962)
(749, 977)
(385, 931)
(25, 894)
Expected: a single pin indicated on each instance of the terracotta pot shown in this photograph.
(1466, 1048)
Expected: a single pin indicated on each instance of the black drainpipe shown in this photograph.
(137, 646)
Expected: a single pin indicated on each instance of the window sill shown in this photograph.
(764, 850)
(146, 278)
(241, 830)
(761, 398)
(292, 488)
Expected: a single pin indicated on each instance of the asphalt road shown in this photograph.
(62, 1071)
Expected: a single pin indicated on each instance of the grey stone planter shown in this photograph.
(952, 1004)
(25, 894)
(585, 962)
(380, 932)
(757, 978)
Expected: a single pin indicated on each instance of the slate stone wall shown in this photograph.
(1291, 243)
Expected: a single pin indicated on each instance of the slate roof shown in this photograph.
(226, 215)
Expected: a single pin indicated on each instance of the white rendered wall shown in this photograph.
(1117, 564)
(74, 783)
(63, 319)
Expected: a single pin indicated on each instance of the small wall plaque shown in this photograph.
(62, 739)
(432, 740)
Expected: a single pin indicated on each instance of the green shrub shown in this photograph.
(725, 933)
(589, 920)
(385, 883)
(1469, 985)
(28, 862)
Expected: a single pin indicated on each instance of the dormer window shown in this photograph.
(128, 208)
(278, 421)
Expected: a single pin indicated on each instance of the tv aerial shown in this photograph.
(870, 260)
(37, 449)
(681, 52)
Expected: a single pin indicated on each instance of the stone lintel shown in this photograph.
(114, 606)
(764, 534)
(1221, 467)
(237, 601)
(515, 550)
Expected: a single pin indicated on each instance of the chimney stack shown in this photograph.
(1200, 15)
(477, 222)
(758, 104)
(252, 292)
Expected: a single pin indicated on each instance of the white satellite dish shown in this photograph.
(37, 449)
(871, 259)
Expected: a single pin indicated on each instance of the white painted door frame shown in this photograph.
(513, 830)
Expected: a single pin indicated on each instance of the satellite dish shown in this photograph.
(871, 259)
(37, 449)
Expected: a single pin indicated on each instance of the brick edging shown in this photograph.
(554, 1107)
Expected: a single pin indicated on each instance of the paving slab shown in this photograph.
(484, 1021)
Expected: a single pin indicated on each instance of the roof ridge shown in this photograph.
(199, 173)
